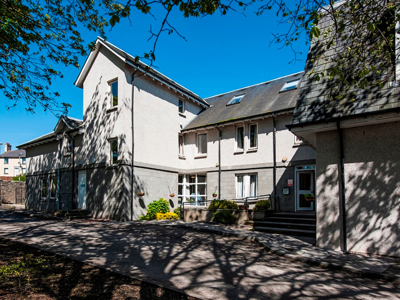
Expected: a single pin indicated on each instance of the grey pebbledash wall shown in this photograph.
(12, 192)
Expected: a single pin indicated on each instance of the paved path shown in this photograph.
(203, 265)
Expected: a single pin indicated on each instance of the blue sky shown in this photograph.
(222, 53)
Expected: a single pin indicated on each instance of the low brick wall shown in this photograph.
(12, 192)
(203, 214)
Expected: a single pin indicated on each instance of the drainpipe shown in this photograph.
(133, 143)
(58, 173)
(274, 157)
(219, 162)
(342, 194)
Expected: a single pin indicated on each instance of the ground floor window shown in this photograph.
(246, 185)
(192, 188)
(53, 191)
(43, 189)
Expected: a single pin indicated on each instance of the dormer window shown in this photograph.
(236, 99)
(290, 85)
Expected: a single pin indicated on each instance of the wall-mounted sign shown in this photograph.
(286, 191)
(290, 182)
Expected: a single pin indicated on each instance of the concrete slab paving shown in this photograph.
(204, 265)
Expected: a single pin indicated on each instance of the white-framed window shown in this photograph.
(23, 160)
(23, 170)
(68, 146)
(16, 171)
(6, 160)
(202, 143)
(297, 140)
(113, 151)
(113, 93)
(5, 170)
(240, 138)
(236, 99)
(43, 188)
(192, 188)
(290, 85)
(253, 136)
(53, 188)
(181, 145)
(181, 106)
(246, 185)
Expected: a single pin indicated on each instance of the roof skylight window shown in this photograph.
(290, 85)
(235, 99)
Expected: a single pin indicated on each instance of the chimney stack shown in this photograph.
(7, 147)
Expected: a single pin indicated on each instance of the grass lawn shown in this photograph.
(29, 273)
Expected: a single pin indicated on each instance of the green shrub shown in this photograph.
(17, 178)
(224, 217)
(223, 204)
(178, 211)
(157, 206)
(259, 203)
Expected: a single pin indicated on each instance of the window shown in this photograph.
(114, 93)
(202, 143)
(235, 99)
(23, 170)
(181, 106)
(6, 160)
(192, 188)
(5, 170)
(53, 187)
(246, 185)
(253, 133)
(68, 146)
(240, 138)
(290, 85)
(24, 160)
(43, 190)
(181, 143)
(16, 171)
(114, 151)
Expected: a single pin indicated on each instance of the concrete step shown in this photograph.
(288, 225)
(297, 215)
(287, 231)
(294, 220)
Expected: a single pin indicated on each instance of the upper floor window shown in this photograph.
(202, 143)
(253, 133)
(114, 93)
(68, 145)
(235, 99)
(240, 138)
(24, 160)
(290, 85)
(6, 160)
(181, 106)
(5, 170)
(114, 151)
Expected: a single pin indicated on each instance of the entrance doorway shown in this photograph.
(305, 184)
(82, 190)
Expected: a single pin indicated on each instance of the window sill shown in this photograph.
(238, 152)
(182, 115)
(200, 156)
(181, 156)
(110, 110)
(252, 150)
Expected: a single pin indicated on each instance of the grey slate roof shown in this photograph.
(13, 154)
(259, 99)
(71, 123)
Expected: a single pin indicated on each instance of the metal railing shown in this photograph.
(245, 201)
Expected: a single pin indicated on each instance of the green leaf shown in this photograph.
(315, 32)
(371, 27)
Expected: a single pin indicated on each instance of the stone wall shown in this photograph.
(12, 192)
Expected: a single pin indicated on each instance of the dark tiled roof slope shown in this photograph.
(13, 154)
(317, 100)
(259, 99)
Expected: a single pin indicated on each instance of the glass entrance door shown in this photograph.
(305, 184)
